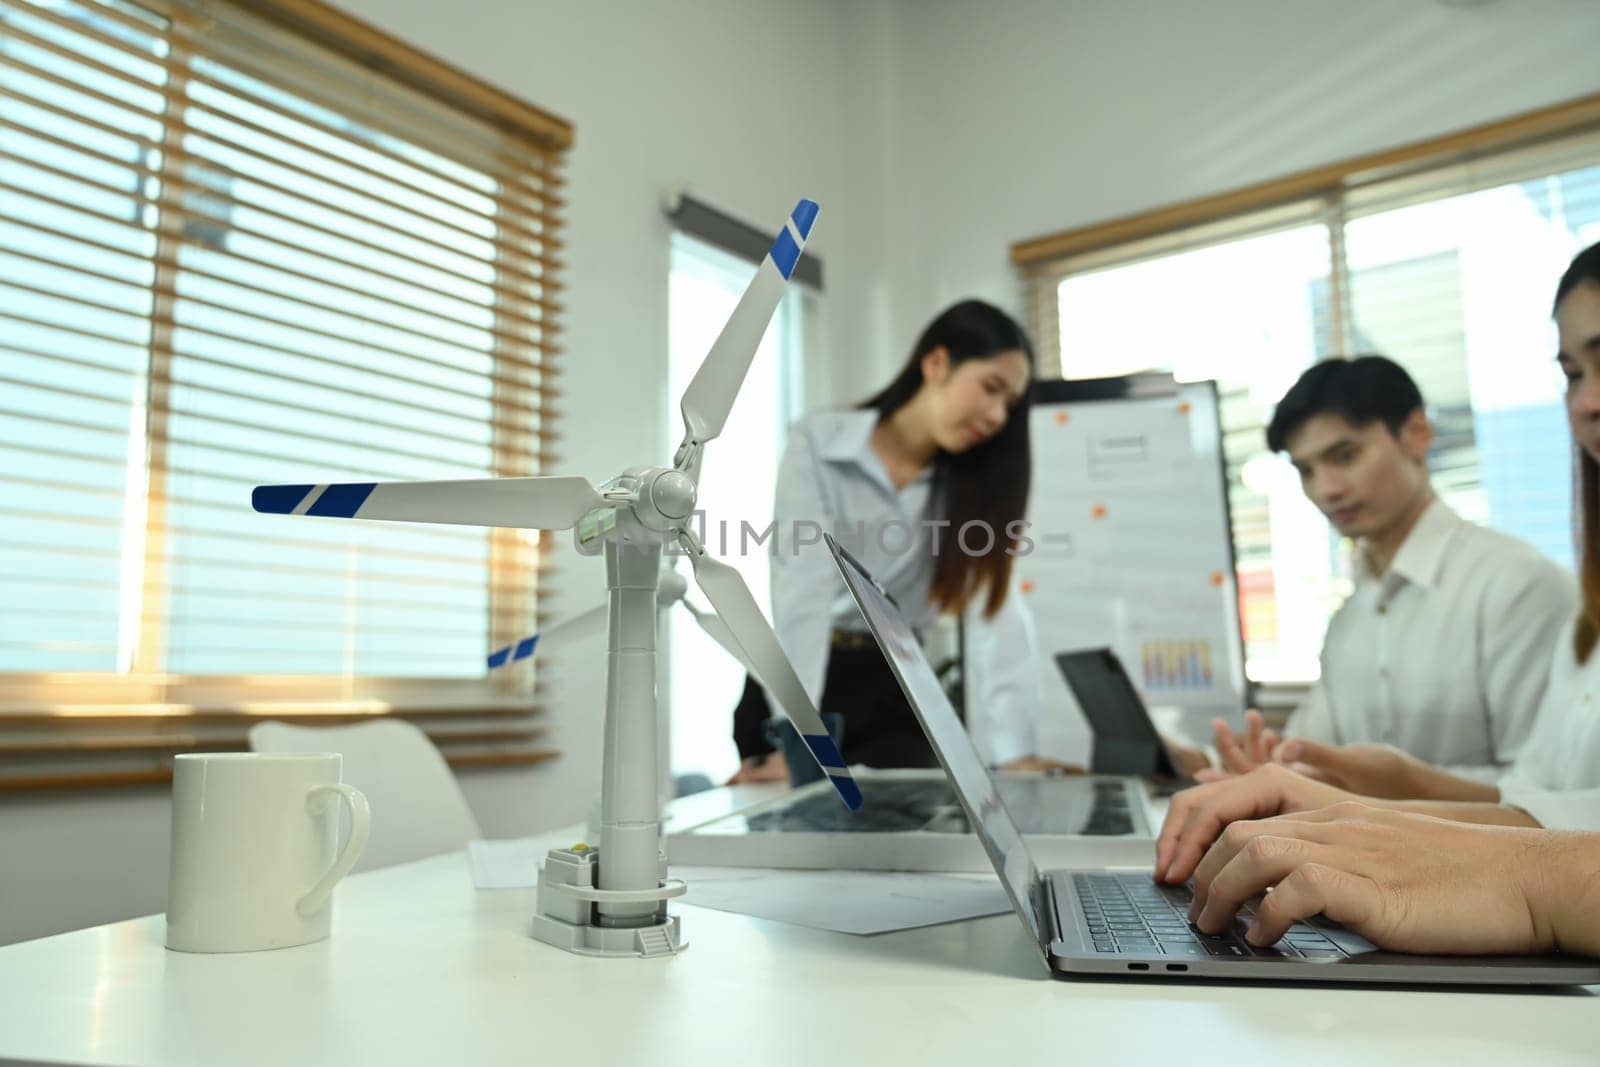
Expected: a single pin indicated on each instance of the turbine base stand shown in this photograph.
(568, 916)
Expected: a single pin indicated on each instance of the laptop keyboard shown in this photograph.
(1129, 914)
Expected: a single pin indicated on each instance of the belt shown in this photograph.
(856, 640)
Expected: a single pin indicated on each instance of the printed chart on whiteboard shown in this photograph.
(1133, 549)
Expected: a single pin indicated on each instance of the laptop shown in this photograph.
(1125, 740)
(1097, 923)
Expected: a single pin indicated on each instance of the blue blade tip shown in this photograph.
(278, 499)
(805, 213)
(823, 748)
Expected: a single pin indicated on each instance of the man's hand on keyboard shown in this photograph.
(1405, 882)
(1197, 816)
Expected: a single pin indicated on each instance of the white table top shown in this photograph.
(423, 968)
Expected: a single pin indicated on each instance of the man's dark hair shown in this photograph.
(1362, 390)
(1586, 268)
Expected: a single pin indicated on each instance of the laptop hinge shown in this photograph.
(1045, 908)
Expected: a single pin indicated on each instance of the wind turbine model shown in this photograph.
(613, 902)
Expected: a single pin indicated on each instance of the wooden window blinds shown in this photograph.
(246, 243)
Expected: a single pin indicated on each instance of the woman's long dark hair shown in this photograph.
(1586, 268)
(987, 483)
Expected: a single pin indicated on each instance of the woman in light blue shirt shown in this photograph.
(926, 483)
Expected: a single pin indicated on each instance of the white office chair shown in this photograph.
(418, 809)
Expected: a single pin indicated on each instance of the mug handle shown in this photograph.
(360, 824)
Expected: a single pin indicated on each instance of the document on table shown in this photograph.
(850, 902)
(508, 864)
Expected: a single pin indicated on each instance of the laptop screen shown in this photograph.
(976, 790)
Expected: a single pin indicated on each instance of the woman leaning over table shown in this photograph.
(926, 483)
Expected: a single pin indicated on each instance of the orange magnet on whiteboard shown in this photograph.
(1216, 579)
(1099, 511)
(1027, 586)
(1061, 418)
(1183, 408)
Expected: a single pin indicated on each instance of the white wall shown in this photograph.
(73, 859)
(934, 133)
(1019, 118)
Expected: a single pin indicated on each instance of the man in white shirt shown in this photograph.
(1555, 781)
(1443, 649)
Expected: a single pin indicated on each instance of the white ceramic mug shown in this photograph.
(253, 841)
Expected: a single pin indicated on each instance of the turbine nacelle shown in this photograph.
(663, 497)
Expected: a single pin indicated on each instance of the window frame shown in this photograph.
(789, 320)
(72, 728)
(1331, 195)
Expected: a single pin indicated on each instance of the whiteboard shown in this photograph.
(1133, 549)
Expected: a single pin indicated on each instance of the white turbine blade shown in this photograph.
(731, 599)
(563, 632)
(522, 503)
(711, 392)
(719, 632)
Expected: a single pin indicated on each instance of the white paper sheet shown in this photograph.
(511, 864)
(851, 902)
